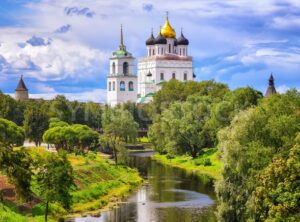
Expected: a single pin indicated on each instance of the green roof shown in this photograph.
(121, 53)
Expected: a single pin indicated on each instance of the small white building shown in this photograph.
(121, 80)
(167, 58)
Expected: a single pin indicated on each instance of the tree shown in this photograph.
(10, 134)
(53, 122)
(277, 195)
(62, 109)
(15, 164)
(157, 136)
(69, 137)
(139, 114)
(63, 137)
(248, 146)
(175, 90)
(36, 121)
(54, 179)
(78, 112)
(183, 124)
(86, 137)
(11, 109)
(222, 112)
(119, 127)
(93, 114)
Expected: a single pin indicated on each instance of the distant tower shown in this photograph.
(21, 92)
(271, 89)
(121, 80)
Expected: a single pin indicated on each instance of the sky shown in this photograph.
(63, 47)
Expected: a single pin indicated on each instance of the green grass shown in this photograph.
(200, 164)
(9, 213)
(143, 139)
(99, 182)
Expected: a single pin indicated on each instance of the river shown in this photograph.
(169, 195)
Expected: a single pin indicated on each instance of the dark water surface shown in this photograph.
(169, 195)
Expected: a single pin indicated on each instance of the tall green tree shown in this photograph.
(10, 134)
(183, 125)
(277, 195)
(93, 114)
(139, 114)
(15, 164)
(54, 179)
(78, 112)
(36, 121)
(223, 111)
(119, 127)
(248, 146)
(11, 109)
(157, 136)
(62, 109)
(175, 90)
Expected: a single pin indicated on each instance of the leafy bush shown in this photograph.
(204, 162)
(170, 156)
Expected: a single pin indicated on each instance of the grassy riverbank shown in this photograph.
(208, 163)
(9, 213)
(100, 183)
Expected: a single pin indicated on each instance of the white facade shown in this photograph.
(167, 58)
(161, 71)
(121, 80)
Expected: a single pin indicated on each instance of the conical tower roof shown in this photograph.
(271, 88)
(21, 85)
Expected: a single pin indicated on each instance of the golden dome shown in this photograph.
(167, 31)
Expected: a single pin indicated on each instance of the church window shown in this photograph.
(109, 86)
(122, 86)
(130, 86)
(184, 52)
(153, 52)
(169, 48)
(125, 68)
(185, 76)
(162, 76)
(173, 76)
(113, 68)
(162, 51)
(180, 51)
(149, 52)
(113, 86)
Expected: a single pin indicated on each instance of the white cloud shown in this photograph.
(284, 88)
(96, 95)
(286, 22)
(82, 52)
(57, 60)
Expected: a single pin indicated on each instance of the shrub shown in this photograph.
(170, 156)
(204, 162)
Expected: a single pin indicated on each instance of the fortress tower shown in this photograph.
(21, 92)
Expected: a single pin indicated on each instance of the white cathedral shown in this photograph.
(167, 58)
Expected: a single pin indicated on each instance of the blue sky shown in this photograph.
(63, 47)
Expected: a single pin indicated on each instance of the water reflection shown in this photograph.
(170, 195)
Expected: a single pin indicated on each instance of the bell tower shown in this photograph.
(121, 80)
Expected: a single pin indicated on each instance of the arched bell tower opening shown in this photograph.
(121, 81)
